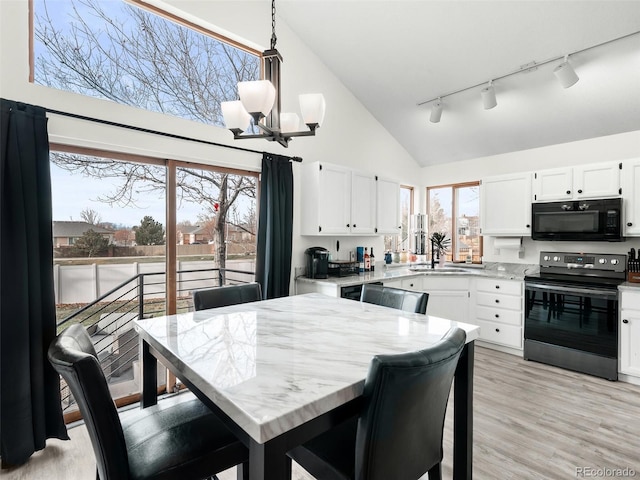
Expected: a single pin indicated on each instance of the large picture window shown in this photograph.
(455, 211)
(121, 52)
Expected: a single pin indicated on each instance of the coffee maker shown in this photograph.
(317, 262)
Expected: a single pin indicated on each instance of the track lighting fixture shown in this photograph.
(436, 111)
(488, 96)
(565, 73)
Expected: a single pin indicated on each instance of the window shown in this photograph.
(132, 56)
(455, 211)
(397, 243)
(111, 226)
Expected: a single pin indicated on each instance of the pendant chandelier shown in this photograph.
(260, 103)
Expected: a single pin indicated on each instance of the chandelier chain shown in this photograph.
(273, 25)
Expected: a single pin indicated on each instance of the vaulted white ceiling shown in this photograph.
(395, 54)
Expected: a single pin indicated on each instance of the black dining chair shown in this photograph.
(175, 439)
(405, 300)
(398, 433)
(226, 295)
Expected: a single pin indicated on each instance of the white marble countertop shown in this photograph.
(276, 364)
(629, 286)
(509, 271)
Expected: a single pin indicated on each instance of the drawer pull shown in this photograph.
(625, 321)
(497, 316)
(497, 301)
(497, 286)
(498, 330)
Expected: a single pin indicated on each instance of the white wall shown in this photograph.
(350, 135)
(601, 149)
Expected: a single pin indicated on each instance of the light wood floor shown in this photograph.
(532, 421)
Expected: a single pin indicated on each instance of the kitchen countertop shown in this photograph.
(629, 286)
(509, 271)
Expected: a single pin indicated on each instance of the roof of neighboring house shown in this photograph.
(75, 229)
(186, 230)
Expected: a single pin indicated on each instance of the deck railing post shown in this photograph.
(140, 296)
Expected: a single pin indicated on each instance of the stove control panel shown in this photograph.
(575, 261)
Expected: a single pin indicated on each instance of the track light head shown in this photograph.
(489, 96)
(565, 73)
(436, 111)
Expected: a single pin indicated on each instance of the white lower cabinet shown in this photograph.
(499, 311)
(448, 297)
(630, 333)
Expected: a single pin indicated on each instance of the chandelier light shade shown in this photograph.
(260, 103)
(565, 73)
(289, 122)
(436, 111)
(257, 97)
(488, 96)
(235, 116)
(312, 107)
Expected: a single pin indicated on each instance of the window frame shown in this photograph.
(454, 206)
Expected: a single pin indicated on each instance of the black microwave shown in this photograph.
(578, 220)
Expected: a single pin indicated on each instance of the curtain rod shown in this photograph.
(164, 134)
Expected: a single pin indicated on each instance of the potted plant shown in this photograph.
(440, 243)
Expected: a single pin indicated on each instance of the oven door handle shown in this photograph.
(609, 294)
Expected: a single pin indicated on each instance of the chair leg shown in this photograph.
(435, 472)
(242, 471)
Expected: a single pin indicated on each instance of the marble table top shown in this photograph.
(275, 364)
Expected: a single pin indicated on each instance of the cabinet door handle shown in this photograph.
(625, 321)
(497, 286)
(528, 226)
(579, 191)
(411, 284)
(629, 224)
(498, 330)
(497, 301)
(354, 225)
(568, 192)
(348, 225)
(497, 316)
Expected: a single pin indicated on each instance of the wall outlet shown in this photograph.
(300, 271)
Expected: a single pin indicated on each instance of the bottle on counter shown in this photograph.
(367, 260)
(372, 261)
(387, 257)
(403, 256)
(396, 257)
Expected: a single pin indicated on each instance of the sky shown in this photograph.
(74, 193)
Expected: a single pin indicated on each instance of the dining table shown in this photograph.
(280, 371)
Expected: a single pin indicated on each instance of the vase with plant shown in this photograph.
(440, 244)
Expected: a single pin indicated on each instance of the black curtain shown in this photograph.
(30, 409)
(275, 226)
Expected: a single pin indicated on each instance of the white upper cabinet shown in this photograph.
(631, 197)
(336, 200)
(387, 207)
(326, 199)
(363, 203)
(597, 180)
(555, 184)
(505, 205)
